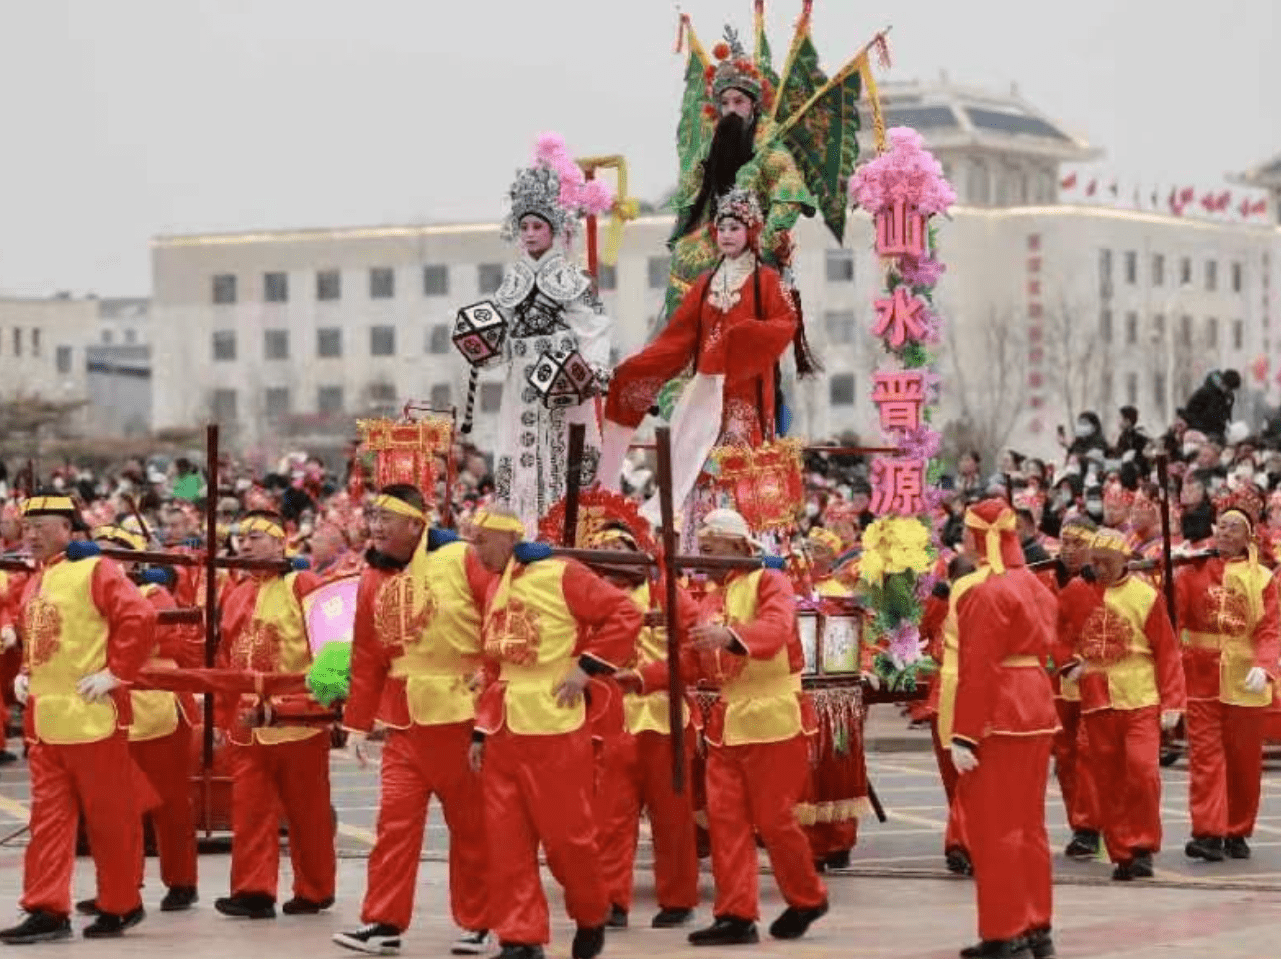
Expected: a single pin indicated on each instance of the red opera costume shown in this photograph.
(416, 644)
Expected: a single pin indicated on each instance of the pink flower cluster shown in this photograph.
(907, 171)
(578, 194)
(905, 643)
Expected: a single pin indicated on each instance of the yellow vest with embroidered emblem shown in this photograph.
(433, 599)
(648, 713)
(1132, 678)
(1236, 648)
(155, 712)
(65, 640)
(950, 668)
(762, 703)
(277, 620)
(531, 632)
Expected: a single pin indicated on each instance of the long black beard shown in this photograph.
(733, 144)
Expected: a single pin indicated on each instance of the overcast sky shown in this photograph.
(122, 119)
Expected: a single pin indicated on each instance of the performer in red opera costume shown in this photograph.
(262, 631)
(550, 626)
(758, 734)
(87, 631)
(638, 775)
(1004, 724)
(1126, 662)
(1228, 611)
(416, 645)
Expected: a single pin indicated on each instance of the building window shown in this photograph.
(608, 279)
(224, 346)
(275, 287)
(1131, 328)
(328, 285)
(63, 359)
(1131, 267)
(435, 281)
(840, 266)
(840, 389)
(276, 402)
(1238, 335)
(1236, 278)
(491, 397)
(224, 288)
(224, 406)
(1105, 268)
(440, 396)
(131, 337)
(1211, 274)
(1105, 326)
(17, 341)
(107, 337)
(1131, 389)
(1185, 271)
(1105, 387)
(839, 325)
(489, 277)
(382, 341)
(438, 339)
(382, 283)
(381, 394)
(35, 341)
(329, 342)
(1185, 330)
(658, 269)
(1212, 333)
(1158, 390)
(329, 401)
(275, 344)
(1158, 269)
(1158, 326)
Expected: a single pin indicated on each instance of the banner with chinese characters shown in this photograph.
(902, 190)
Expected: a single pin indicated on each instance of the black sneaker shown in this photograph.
(474, 942)
(1084, 844)
(7, 757)
(108, 925)
(617, 917)
(39, 926)
(298, 906)
(1124, 871)
(958, 862)
(1040, 944)
(376, 939)
(671, 918)
(726, 931)
(87, 907)
(838, 860)
(1141, 865)
(179, 899)
(588, 942)
(793, 923)
(516, 950)
(247, 905)
(998, 949)
(1235, 847)
(1209, 848)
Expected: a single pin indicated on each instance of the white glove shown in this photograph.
(1169, 719)
(21, 687)
(964, 759)
(97, 685)
(357, 746)
(1256, 680)
(8, 637)
(1074, 673)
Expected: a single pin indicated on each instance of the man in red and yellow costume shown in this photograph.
(263, 632)
(1127, 666)
(1228, 612)
(758, 736)
(415, 648)
(1002, 731)
(550, 626)
(87, 631)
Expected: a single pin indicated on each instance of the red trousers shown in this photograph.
(538, 789)
(164, 761)
(753, 789)
(1225, 766)
(954, 836)
(417, 763)
(1125, 753)
(96, 779)
(1003, 802)
(638, 775)
(10, 666)
(828, 838)
(1073, 767)
(265, 778)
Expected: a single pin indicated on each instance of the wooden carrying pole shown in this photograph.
(211, 622)
(1167, 561)
(573, 483)
(675, 685)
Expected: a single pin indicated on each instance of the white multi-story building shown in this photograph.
(42, 353)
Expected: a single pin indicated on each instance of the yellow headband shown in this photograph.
(1006, 522)
(821, 536)
(1109, 540)
(48, 504)
(118, 534)
(603, 538)
(398, 506)
(1076, 534)
(260, 524)
(498, 522)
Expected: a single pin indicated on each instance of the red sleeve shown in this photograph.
(131, 620)
(980, 625)
(775, 620)
(1267, 634)
(613, 622)
(1075, 601)
(655, 675)
(480, 580)
(756, 344)
(932, 619)
(1166, 656)
(304, 582)
(369, 661)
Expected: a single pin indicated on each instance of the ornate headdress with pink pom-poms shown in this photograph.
(555, 190)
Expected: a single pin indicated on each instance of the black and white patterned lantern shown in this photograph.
(561, 378)
(479, 332)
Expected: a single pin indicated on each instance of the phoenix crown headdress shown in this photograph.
(741, 205)
(555, 189)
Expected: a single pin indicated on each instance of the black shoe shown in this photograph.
(39, 926)
(702, 842)
(726, 931)
(1235, 847)
(87, 907)
(1040, 944)
(375, 939)
(108, 925)
(1141, 865)
(515, 950)
(793, 923)
(7, 757)
(671, 918)
(1084, 844)
(997, 949)
(588, 942)
(958, 862)
(838, 860)
(1124, 871)
(617, 917)
(820, 866)
(1209, 848)
(298, 906)
(179, 899)
(474, 942)
(247, 905)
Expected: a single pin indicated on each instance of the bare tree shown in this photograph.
(1077, 355)
(991, 392)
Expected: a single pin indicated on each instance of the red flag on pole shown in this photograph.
(1172, 201)
(1112, 188)
(1225, 198)
(1187, 195)
(1092, 188)
(1068, 182)
(1260, 207)
(1208, 202)
(1244, 208)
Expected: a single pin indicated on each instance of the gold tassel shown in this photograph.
(874, 100)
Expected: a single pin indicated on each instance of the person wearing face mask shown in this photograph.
(1196, 522)
(1209, 409)
(1087, 437)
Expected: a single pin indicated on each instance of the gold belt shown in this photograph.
(1020, 662)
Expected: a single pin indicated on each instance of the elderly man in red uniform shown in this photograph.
(87, 631)
(758, 764)
(1127, 665)
(416, 646)
(1228, 611)
(549, 627)
(1003, 728)
(276, 766)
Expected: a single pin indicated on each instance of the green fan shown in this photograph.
(329, 678)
